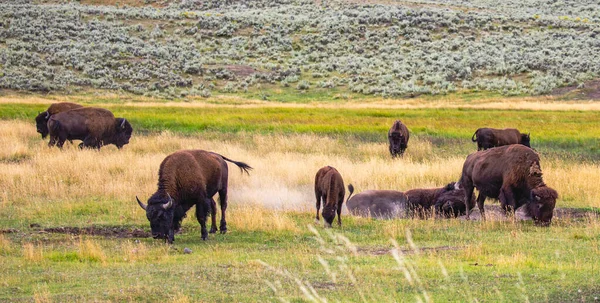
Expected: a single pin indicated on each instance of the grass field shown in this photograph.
(71, 230)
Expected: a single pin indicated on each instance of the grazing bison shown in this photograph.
(41, 121)
(329, 187)
(513, 175)
(381, 204)
(188, 178)
(398, 137)
(451, 202)
(94, 126)
(491, 137)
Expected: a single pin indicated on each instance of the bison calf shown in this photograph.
(513, 175)
(329, 187)
(492, 137)
(381, 204)
(41, 121)
(189, 178)
(94, 126)
(398, 137)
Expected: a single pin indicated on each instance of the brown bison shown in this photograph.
(381, 204)
(398, 137)
(329, 187)
(41, 121)
(188, 178)
(451, 202)
(492, 137)
(94, 126)
(512, 174)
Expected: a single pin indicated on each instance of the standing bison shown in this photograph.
(398, 137)
(188, 178)
(492, 137)
(513, 175)
(94, 126)
(329, 187)
(41, 121)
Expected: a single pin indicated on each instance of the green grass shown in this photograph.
(565, 133)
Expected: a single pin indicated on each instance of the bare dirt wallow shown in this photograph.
(102, 231)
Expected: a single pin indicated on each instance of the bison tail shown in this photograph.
(350, 190)
(473, 138)
(243, 166)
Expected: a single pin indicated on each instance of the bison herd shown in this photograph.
(503, 168)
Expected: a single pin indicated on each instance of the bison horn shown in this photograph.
(168, 204)
(123, 123)
(140, 203)
(47, 115)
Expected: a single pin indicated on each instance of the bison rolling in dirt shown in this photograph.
(398, 136)
(421, 202)
(41, 121)
(492, 137)
(329, 187)
(188, 178)
(380, 204)
(513, 175)
(451, 202)
(94, 126)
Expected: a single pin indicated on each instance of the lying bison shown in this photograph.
(492, 137)
(451, 202)
(94, 126)
(380, 204)
(329, 187)
(188, 178)
(41, 121)
(513, 175)
(398, 137)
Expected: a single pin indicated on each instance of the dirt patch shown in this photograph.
(103, 231)
(378, 251)
(495, 213)
(589, 91)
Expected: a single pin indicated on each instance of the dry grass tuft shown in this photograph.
(42, 295)
(89, 250)
(33, 253)
(5, 245)
(257, 218)
(133, 252)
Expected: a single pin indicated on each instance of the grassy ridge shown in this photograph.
(574, 132)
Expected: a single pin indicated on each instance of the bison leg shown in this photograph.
(339, 210)
(52, 142)
(318, 195)
(223, 204)
(201, 214)
(213, 215)
(507, 199)
(468, 197)
(480, 201)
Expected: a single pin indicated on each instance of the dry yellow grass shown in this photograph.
(36, 177)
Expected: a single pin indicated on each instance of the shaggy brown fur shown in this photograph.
(41, 121)
(189, 178)
(451, 202)
(398, 136)
(329, 187)
(381, 204)
(511, 174)
(94, 126)
(420, 202)
(491, 137)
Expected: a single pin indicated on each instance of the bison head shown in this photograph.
(160, 212)
(541, 206)
(122, 133)
(328, 215)
(525, 140)
(396, 142)
(41, 123)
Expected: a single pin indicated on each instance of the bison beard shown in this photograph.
(329, 187)
(513, 175)
(189, 178)
(398, 136)
(94, 126)
(490, 137)
(41, 121)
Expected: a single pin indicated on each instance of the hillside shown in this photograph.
(385, 48)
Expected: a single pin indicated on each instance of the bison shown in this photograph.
(398, 137)
(451, 202)
(381, 204)
(94, 126)
(492, 137)
(329, 187)
(41, 121)
(512, 174)
(189, 178)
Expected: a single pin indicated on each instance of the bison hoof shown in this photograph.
(213, 230)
